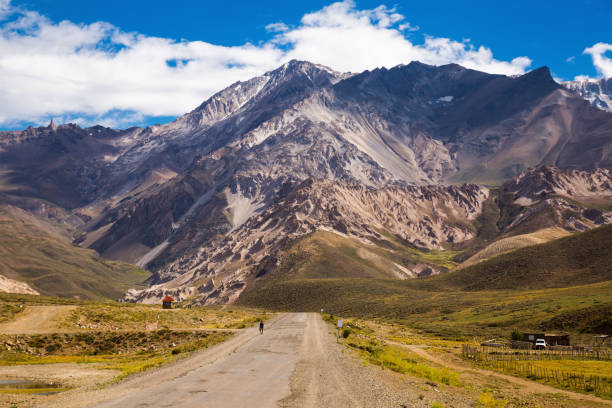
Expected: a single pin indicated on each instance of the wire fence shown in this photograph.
(551, 353)
(522, 364)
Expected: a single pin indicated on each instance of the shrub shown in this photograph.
(52, 347)
(487, 400)
(516, 334)
(346, 333)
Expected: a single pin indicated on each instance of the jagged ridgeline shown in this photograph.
(401, 173)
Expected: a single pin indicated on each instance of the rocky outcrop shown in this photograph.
(541, 182)
(12, 286)
(575, 200)
(426, 217)
(597, 91)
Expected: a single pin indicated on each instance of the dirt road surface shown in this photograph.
(36, 320)
(256, 374)
(295, 363)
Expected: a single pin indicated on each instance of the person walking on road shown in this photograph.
(261, 327)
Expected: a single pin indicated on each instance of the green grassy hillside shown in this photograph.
(34, 252)
(513, 243)
(324, 255)
(574, 260)
(565, 284)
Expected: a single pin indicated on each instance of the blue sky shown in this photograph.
(138, 62)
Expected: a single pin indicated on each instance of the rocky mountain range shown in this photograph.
(596, 91)
(208, 200)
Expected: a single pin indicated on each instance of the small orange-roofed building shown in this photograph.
(167, 302)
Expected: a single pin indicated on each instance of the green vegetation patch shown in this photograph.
(375, 351)
(453, 315)
(575, 260)
(553, 285)
(9, 310)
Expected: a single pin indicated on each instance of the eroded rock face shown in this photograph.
(410, 125)
(556, 198)
(596, 91)
(562, 212)
(424, 216)
(543, 181)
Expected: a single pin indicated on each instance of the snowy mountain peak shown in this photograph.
(596, 91)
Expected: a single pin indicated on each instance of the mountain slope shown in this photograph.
(205, 199)
(561, 285)
(514, 242)
(425, 217)
(376, 128)
(579, 259)
(34, 252)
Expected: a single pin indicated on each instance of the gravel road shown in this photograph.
(255, 374)
(295, 363)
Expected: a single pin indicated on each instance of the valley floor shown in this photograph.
(299, 362)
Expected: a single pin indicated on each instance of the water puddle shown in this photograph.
(16, 386)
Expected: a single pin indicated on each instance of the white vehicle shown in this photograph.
(540, 344)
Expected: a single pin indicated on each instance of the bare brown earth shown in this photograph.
(69, 375)
(328, 375)
(36, 320)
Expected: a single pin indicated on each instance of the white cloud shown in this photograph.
(277, 27)
(348, 39)
(602, 63)
(69, 70)
(409, 27)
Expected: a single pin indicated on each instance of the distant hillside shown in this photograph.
(575, 260)
(564, 284)
(35, 252)
(513, 243)
(590, 319)
(325, 254)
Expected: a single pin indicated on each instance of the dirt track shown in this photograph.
(36, 320)
(328, 375)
